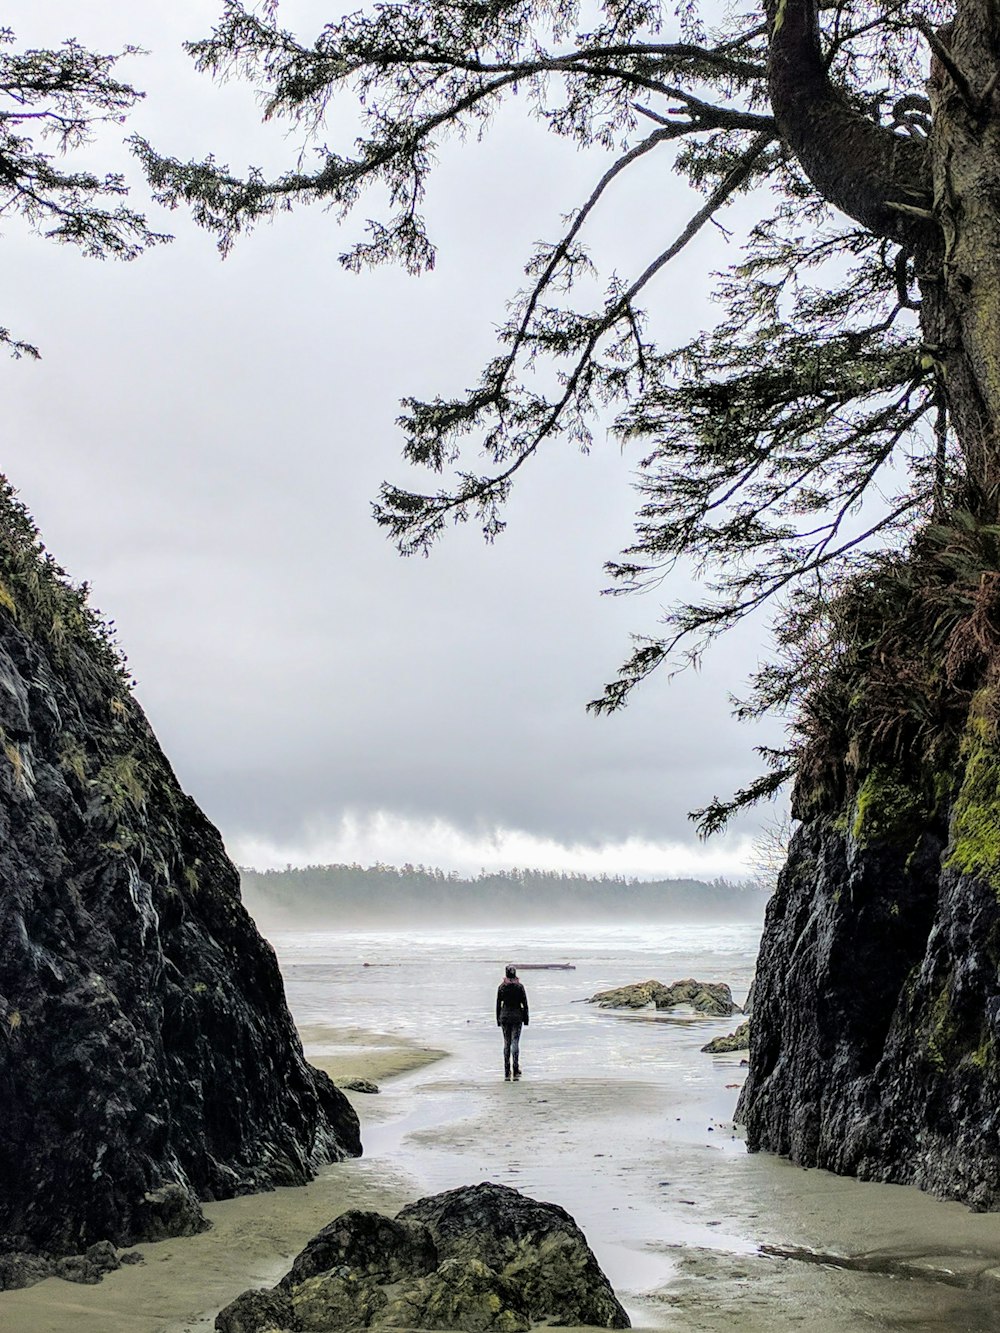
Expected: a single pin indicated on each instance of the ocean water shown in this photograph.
(439, 988)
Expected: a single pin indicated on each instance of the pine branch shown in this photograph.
(414, 520)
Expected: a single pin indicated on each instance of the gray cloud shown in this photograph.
(202, 442)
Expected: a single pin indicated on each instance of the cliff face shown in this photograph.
(876, 1029)
(147, 1056)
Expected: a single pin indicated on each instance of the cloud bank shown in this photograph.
(390, 839)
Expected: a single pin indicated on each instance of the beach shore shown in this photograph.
(696, 1235)
(353, 1053)
(729, 1242)
(183, 1283)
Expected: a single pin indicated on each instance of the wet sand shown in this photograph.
(695, 1235)
(183, 1283)
(352, 1053)
(694, 1232)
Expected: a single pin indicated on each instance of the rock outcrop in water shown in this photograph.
(706, 997)
(876, 1028)
(482, 1257)
(733, 1041)
(147, 1057)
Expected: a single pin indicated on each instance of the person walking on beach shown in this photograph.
(512, 1014)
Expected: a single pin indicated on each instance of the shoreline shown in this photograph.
(719, 1241)
(184, 1282)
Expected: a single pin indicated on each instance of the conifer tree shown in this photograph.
(60, 97)
(830, 446)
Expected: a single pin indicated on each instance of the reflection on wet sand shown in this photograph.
(620, 1119)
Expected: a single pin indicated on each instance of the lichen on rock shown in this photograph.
(975, 826)
(886, 810)
(734, 1041)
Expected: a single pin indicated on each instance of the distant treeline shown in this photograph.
(354, 895)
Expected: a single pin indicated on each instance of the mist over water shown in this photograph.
(386, 897)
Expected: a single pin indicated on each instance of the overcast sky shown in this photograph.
(202, 441)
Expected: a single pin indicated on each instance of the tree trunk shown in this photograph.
(876, 1028)
(961, 283)
(865, 169)
(941, 201)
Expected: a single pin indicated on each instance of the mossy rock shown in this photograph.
(975, 822)
(462, 1294)
(886, 810)
(337, 1301)
(735, 1041)
(257, 1312)
(481, 1259)
(707, 997)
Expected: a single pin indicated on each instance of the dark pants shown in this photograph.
(511, 1043)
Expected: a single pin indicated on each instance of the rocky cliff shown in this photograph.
(147, 1057)
(876, 1027)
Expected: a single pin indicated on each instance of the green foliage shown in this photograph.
(882, 671)
(73, 759)
(120, 784)
(886, 811)
(976, 820)
(62, 96)
(44, 601)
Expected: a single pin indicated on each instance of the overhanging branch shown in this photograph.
(415, 520)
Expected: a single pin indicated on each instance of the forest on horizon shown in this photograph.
(355, 895)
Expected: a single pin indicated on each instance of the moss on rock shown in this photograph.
(975, 826)
(480, 1259)
(886, 810)
(941, 1034)
(735, 1041)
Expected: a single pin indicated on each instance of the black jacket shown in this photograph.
(512, 1002)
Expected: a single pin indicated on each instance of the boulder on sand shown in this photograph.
(22, 1264)
(706, 997)
(482, 1257)
(358, 1085)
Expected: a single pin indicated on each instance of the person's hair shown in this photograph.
(510, 970)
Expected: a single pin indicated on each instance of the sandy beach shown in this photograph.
(786, 1248)
(619, 1118)
(731, 1241)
